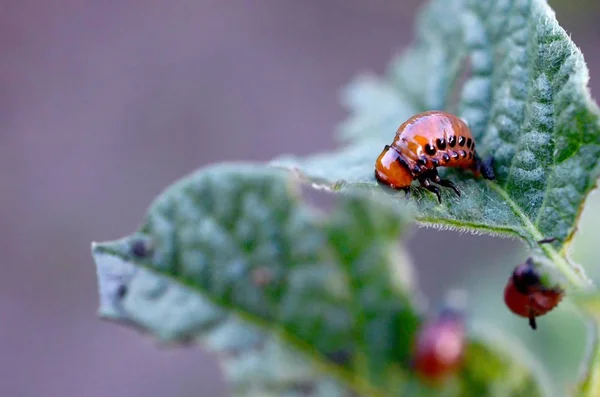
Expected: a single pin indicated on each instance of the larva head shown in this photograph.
(391, 170)
(526, 296)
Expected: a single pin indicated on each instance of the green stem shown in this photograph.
(574, 274)
(590, 378)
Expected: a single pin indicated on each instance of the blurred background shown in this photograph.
(105, 103)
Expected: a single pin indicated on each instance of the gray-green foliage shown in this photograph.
(294, 300)
(526, 101)
(301, 302)
(234, 243)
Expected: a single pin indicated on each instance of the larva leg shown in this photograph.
(447, 183)
(532, 322)
(443, 182)
(426, 183)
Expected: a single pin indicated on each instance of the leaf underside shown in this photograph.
(294, 301)
(525, 99)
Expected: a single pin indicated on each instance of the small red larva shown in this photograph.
(424, 142)
(439, 347)
(526, 296)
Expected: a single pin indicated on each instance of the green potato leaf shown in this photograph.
(294, 301)
(232, 255)
(525, 97)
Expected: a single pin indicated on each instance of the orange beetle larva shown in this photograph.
(424, 142)
(526, 296)
(439, 346)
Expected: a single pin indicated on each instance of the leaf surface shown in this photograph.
(293, 300)
(232, 254)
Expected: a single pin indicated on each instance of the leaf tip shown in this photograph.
(114, 274)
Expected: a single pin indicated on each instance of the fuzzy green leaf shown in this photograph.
(526, 101)
(294, 301)
(235, 258)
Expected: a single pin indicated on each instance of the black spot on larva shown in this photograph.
(473, 145)
(461, 141)
(441, 143)
(140, 249)
(445, 157)
(470, 155)
(422, 160)
(416, 169)
(469, 142)
(452, 140)
(463, 154)
(435, 162)
(455, 155)
(430, 149)
(121, 291)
